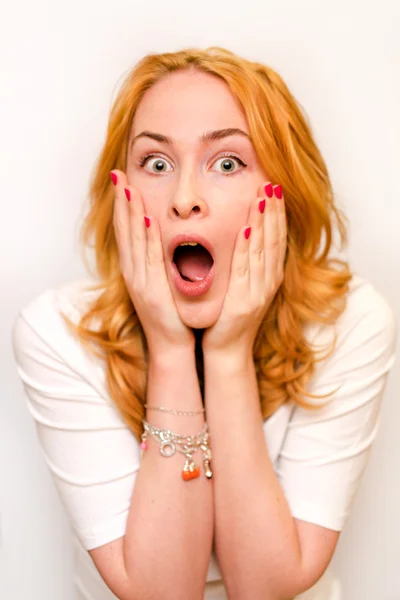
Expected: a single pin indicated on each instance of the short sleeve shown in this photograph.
(325, 450)
(92, 455)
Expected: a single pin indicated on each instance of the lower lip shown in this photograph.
(192, 288)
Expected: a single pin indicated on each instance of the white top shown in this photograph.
(319, 456)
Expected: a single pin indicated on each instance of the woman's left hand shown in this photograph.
(257, 271)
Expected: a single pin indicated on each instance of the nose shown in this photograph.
(187, 203)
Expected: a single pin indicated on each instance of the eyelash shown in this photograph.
(143, 160)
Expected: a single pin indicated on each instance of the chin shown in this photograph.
(199, 315)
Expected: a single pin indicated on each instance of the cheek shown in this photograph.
(233, 218)
(233, 209)
(146, 188)
(151, 204)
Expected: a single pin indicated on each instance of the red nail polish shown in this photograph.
(127, 194)
(114, 178)
(261, 206)
(247, 232)
(278, 191)
(147, 221)
(268, 190)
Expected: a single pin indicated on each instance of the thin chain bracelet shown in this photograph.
(175, 412)
(187, 444)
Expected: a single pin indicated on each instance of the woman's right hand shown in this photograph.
(143, 269)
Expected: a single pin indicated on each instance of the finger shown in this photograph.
(272, 241)
(155, 261)
(121, 223)
(256, 247)
(137, 229)
(240, 272)
(282, 228)
(133, 211)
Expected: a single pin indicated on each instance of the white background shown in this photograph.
(61, 64)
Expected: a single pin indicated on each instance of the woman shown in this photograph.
(218, 315)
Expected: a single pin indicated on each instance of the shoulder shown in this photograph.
(321, 453)
(91, 452)
(43, 312)
(365, 302)
(70, 297)
(39, 326)
(367, 317)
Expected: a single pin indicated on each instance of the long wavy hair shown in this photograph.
(314, 288)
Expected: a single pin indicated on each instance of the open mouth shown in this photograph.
(193, 261)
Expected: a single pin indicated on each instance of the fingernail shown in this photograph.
(278, 191)
(147, 221)
(261, 206)
(128, 194)
(114, 178)
(247, 232)
(268, 190)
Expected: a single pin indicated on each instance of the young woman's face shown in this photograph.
(191, 186)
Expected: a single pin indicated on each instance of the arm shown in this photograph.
(167, 546)
(94, 461)
(169, 532)
(259, 545)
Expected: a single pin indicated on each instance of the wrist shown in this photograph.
(235, 358)
(170, 357)
(172, 382)
(159, 351)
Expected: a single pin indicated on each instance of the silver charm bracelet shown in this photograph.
(171, 442)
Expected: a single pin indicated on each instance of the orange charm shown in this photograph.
(187, 475)
(190, 470)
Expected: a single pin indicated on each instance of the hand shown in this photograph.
(143, 269)
(257, 271)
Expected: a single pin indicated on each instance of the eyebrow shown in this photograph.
(215, 134)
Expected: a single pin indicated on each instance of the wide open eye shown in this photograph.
(157, 163)
(229, 159)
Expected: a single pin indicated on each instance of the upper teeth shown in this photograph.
(189, 244)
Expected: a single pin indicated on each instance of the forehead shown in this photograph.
(184, 104)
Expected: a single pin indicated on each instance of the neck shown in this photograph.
(198, 333)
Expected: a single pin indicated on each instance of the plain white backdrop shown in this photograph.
(61, 65)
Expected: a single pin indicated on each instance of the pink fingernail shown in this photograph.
(268, 190)
(247, 232)
(147, 221)
(114, 178)
(128, 194)
(278, 191)
(261, 206)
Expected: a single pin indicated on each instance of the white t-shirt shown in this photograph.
(319, 456)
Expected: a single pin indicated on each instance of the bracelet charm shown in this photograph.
(171, 442)
(167, 444)
(190, 469)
